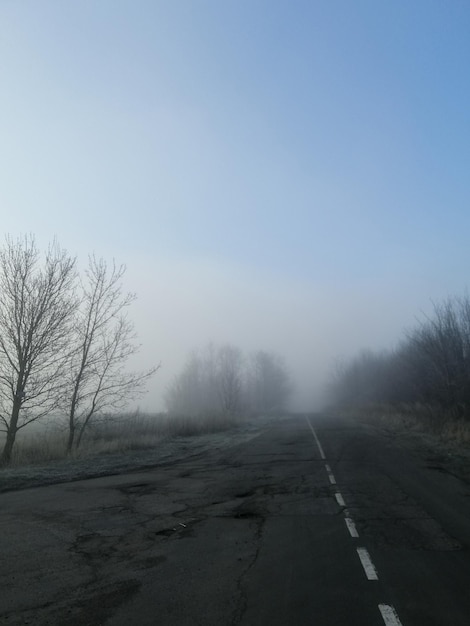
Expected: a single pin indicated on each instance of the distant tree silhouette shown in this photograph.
(220, 380)
(430, 367)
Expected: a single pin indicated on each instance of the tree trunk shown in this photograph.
(8, 447)
(71, 438)
(73, 406)
(11, 433)
(81, 432)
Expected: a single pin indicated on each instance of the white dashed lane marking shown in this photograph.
(387, 611)
(389, 615)
(319, 446)
(340, 499)
(351, 527)
(367, 564)
(331, 477)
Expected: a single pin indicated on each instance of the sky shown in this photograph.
(290, 176)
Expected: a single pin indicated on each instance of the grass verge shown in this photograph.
(112, 435)
(418, 419)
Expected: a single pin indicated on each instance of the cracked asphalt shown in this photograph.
(245, 534)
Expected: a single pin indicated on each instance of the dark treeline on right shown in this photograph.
(430, 368)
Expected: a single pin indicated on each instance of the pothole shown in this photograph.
(246, 515)
(138, 488)
(166, 532)
(245, 494)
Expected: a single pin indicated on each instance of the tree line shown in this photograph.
(65, 340)
(222, 380)
(430, 366)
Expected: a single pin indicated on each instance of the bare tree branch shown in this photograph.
(36, 306)
(103, 341)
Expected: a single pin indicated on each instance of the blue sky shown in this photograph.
(285, 175)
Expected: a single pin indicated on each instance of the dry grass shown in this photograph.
(44, 443)
(38, 447)
(418, 419)
(457, 431)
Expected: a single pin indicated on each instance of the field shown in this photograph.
(127, 443)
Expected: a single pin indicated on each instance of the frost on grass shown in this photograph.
(110, 456)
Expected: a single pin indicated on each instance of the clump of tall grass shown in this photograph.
(38, 447)
(113, 434)
(456, 431)
(138, 431)
(416, 418)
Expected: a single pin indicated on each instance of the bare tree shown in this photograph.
(438, 349)
(430, 367)
(367, 378)
(230, 378)
(194, 391)
(210, 382)
(209, 401)
(104, 340)
(217, 380)
(36, 307)
(270, 382)
(184, 396)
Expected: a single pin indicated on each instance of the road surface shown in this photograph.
(311, 521)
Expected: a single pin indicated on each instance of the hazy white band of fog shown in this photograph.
(184, 305)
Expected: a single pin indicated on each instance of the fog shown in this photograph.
(181, 307)
(284, 178)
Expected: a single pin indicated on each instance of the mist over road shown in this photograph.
(308, 521)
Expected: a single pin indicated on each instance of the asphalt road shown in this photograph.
(312, 521)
